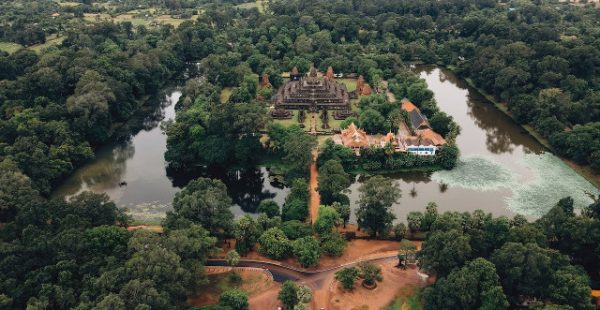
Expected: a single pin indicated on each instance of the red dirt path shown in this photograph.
(315, 199)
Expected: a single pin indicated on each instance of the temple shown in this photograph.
(419, 139)
(312, 93)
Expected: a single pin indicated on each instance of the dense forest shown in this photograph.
(482, 262)
(539, 59)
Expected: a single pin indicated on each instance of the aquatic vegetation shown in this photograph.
(553, 180)
(475, 172)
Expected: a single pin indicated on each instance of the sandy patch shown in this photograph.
(394, 280)
(254, 283)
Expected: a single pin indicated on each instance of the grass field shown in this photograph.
(137, 20)
(292, 121)
(350, 83)
(259, 4)
(10, 47)
(68, 3)
(51, 40)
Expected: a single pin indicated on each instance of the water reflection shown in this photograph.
(499, 171)
(247, 187)
(525, 179)
(137, 158)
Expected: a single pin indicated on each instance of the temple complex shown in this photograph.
(312, 93)
(421, 140)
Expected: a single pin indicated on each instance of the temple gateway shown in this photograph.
(313, 94)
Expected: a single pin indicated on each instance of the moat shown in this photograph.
(502, 169)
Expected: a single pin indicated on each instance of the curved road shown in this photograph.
(281, 272)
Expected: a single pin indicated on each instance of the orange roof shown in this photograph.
(366, 90)
(56, 14)
(354, 137)
(408, 106)
(389, 138)
(429, 134)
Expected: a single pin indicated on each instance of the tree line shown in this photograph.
(489, 262)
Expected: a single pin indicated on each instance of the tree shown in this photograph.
(373, 122)
(440, 123)
(304, 294)
(415, 219)
(474, 286)
(203, 201)
(333, 244)
(15, 190)
(269, 207)
(431, 214)
(370, 273)
(406, 249)
(306, 250)
(296, 203)
(377, 195)
(527, 269)
(246, 232)
(295, 229)
(332, 180)
(235, 299)
(343, 210)
(332, 151)
(298, 154)
(347, 276)
(288, 294)
(447, 156)
(400, 231)
(443, 251)
(326, 221)
(570, 286)
(232, 258)
(274, 244)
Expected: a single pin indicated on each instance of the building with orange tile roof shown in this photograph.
(425, 141)
(354, 138)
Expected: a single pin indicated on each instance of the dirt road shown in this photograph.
(315, 199)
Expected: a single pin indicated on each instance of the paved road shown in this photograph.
(282, 273)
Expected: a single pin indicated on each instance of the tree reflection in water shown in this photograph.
(247, 187)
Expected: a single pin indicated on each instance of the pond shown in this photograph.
(138, 160)
(502, 169)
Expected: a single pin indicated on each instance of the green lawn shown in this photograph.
(136, 18)
(350, 83)
(334, 123)
(10, 47)
(68, 3)
(293, 120)
(259, 4)
(51, 40)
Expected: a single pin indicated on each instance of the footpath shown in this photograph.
(315, 199)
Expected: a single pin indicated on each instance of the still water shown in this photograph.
(502, 169)
(138, 161)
